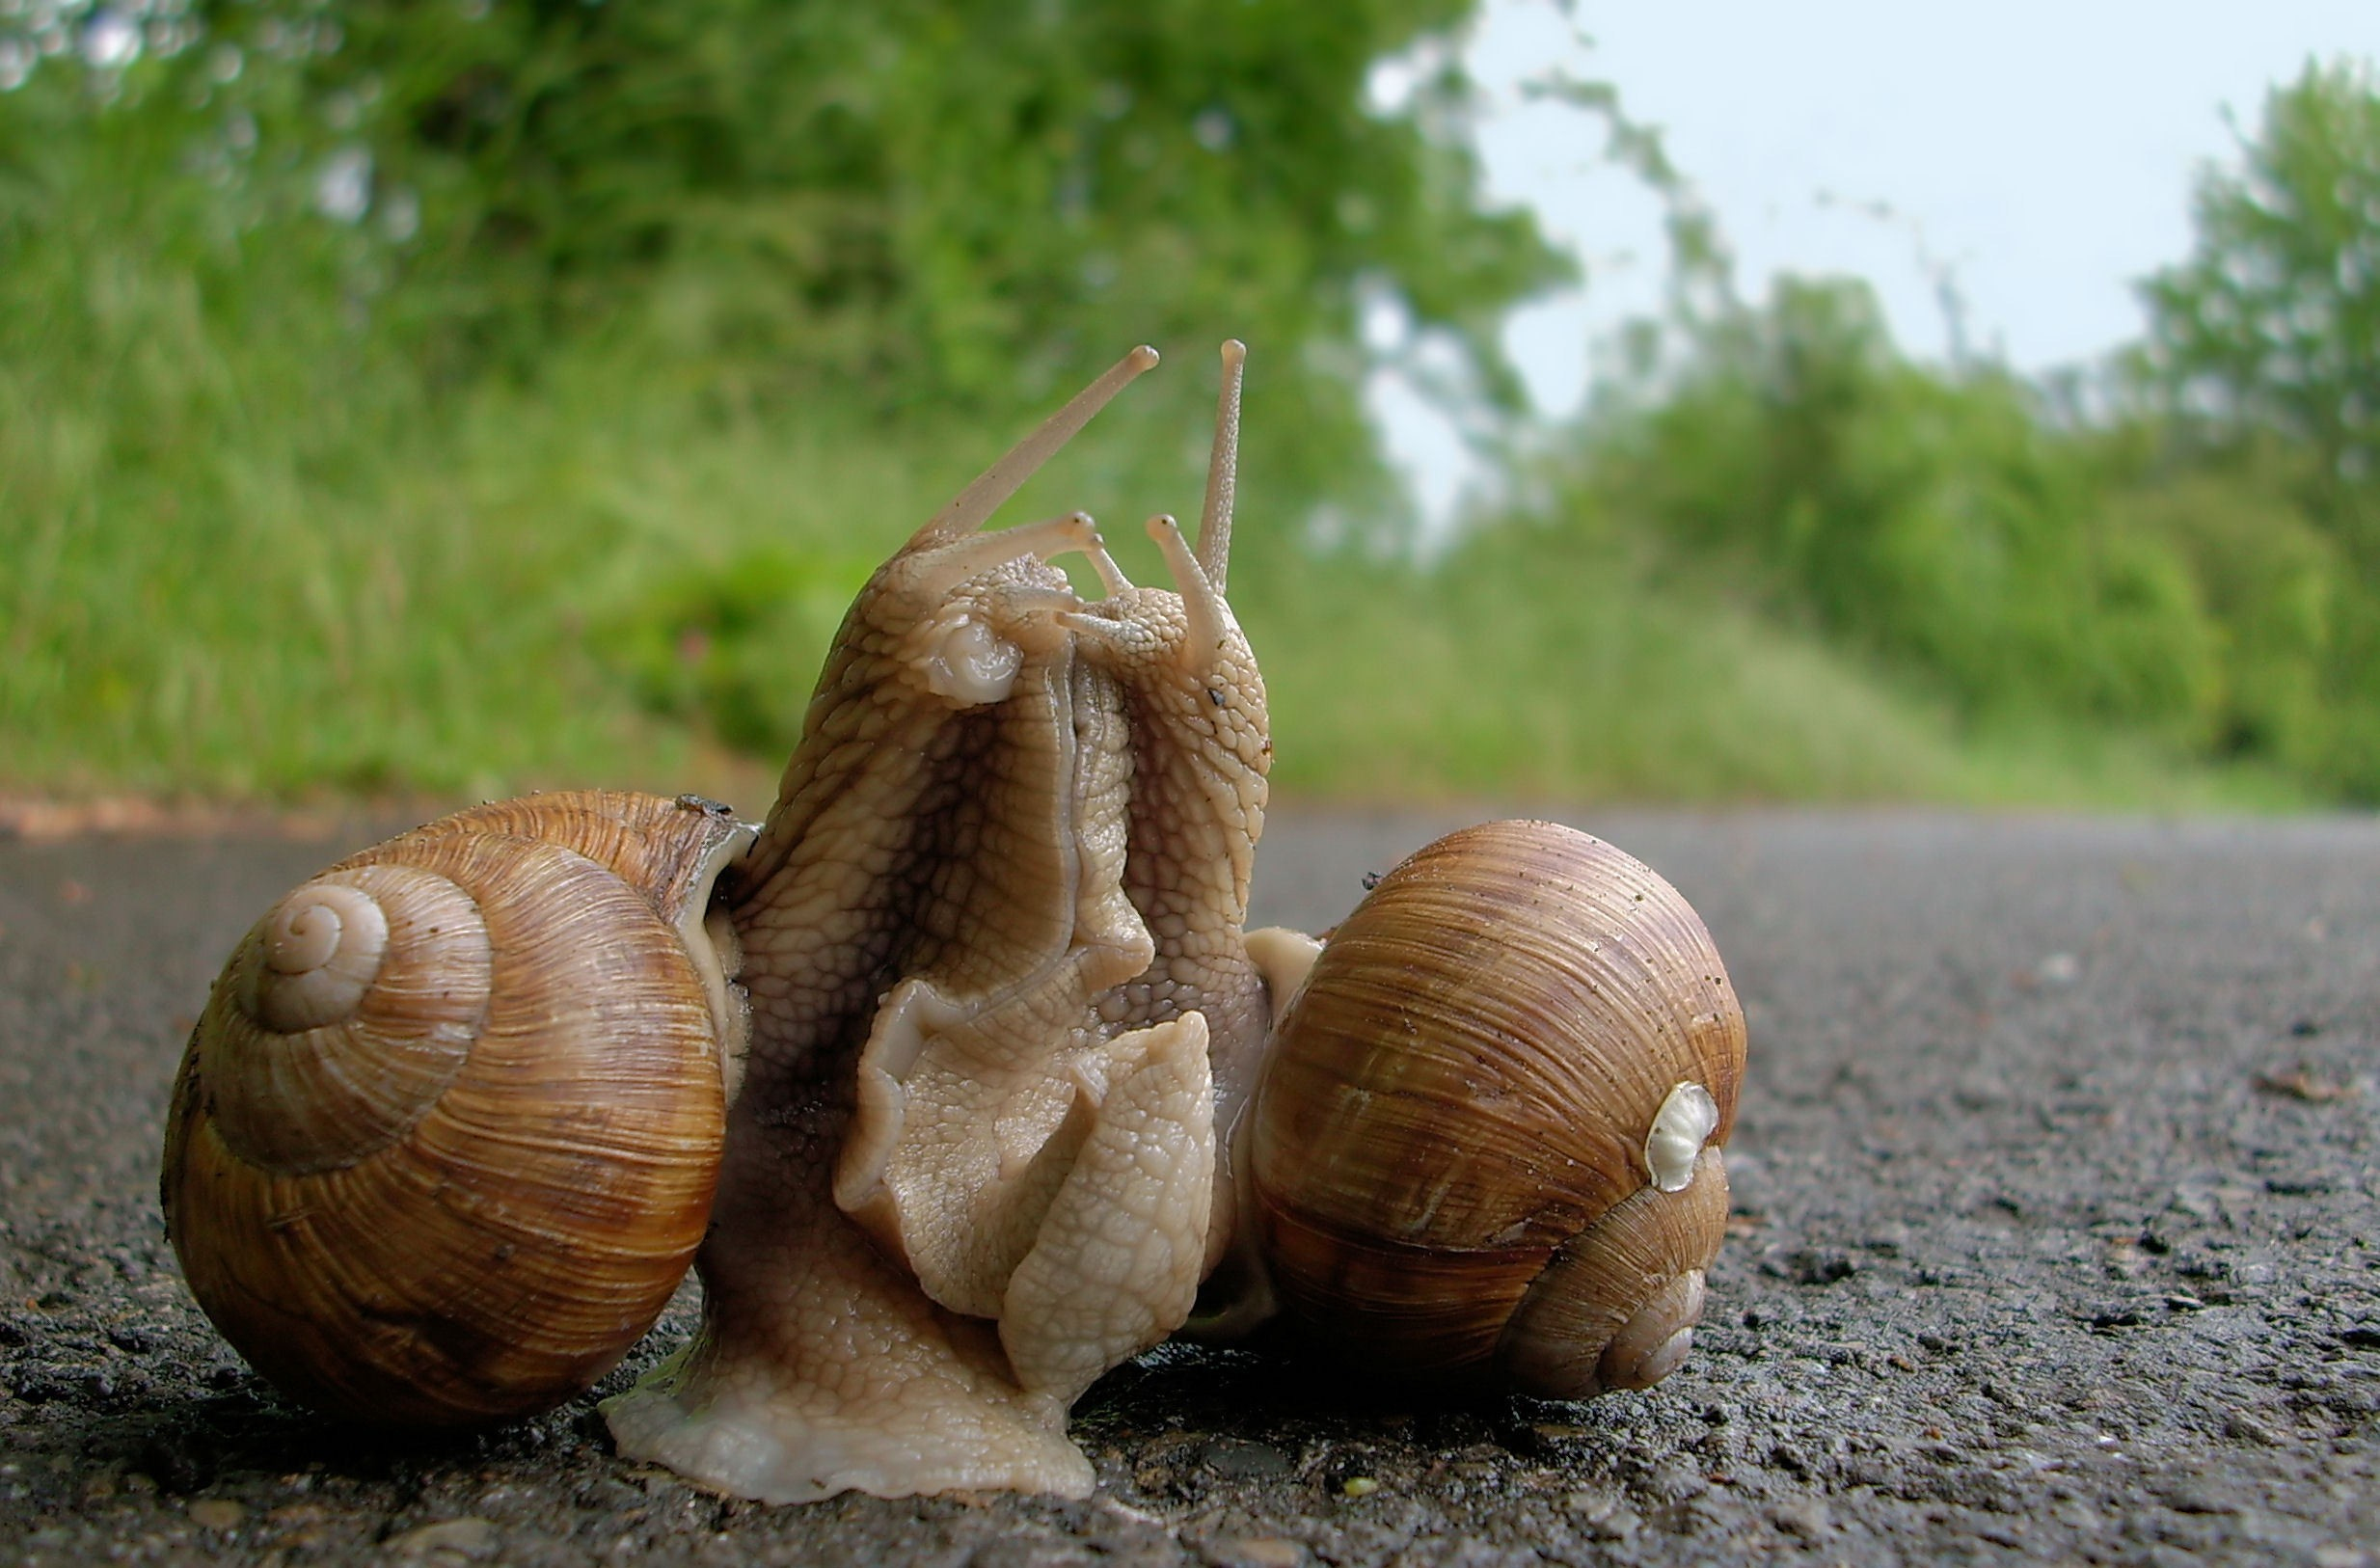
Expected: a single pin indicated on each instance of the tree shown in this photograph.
(2267, 340)
(928, 193)
(2271, 328)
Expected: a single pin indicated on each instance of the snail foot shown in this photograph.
(752, 1443)
(1115, 1266)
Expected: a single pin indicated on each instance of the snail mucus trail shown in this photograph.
(970, 1027)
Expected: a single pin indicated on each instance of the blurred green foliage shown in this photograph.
(711, 643)
(461, 393)
(1971, 539)
(934, 205)
(2272, 325)
(1937, 521)
(2264, 358)
(388, 390)
(2182, 551)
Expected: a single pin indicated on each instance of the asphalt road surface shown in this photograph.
(2058, 1238)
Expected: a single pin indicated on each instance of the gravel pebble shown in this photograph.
(217, 1513)
(469, 1536)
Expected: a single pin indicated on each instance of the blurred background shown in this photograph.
(1702, 401)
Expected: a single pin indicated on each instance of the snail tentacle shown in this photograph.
(1222, 469)
(974, 506)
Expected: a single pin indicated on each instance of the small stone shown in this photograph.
(1254, 1551)
(607, 1493)
(1805, 1516)
(1594, 1504)
(1676, 1479)
(1017, 1551)
(1124, 1512)
(1239, 1460)
(2059, 969)
(1809, 1265)
(470, 1536)
(217, 1513)
(2299, 1084)
(2241, 1427)
(1618, 1524)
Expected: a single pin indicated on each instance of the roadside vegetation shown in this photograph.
(401, 398)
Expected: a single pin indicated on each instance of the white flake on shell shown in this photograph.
(1682, 1126)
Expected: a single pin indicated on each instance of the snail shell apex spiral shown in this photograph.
(350, 1009)
(319, 956)
(1486, 1143)
(473, 1173)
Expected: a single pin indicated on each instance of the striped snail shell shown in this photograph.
(444, 1138)
(1485, 1147)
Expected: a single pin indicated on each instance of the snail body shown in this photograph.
(945, 1127)
(1485, 1147)
(444, 1137)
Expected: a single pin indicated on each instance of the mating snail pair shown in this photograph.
(957, 1077)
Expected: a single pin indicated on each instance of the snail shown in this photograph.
(981, 1064)
(445, 1139)
(944, 1129)
(1486, 1144)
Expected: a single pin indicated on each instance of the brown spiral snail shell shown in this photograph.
(1486, 1143)
(445, 1139)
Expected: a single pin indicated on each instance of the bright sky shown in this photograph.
(2041, 150)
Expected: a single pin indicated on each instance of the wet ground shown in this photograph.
(2058, 1238)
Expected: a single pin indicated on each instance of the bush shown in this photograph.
(1940, 519)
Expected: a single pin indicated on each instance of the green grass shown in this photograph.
(1535, 674)
(250, 553)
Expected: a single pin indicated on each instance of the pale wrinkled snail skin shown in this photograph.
(945, 1119)
(1460, 1159)
(445, 1135)
(1194, 707)
(821, 1365)
(1201, 752)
